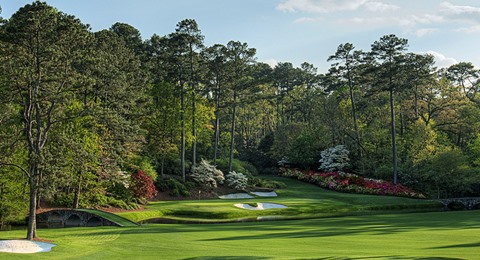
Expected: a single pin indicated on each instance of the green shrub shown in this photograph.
(238, 166)
(264, 183)
(173, 166)
(250, 168)
(118, 186)
(174, 187)
(12, 211)
(116, 203)
(13, 196)
(270, 171)
(120, 192)
(145, 164)
(63, 200)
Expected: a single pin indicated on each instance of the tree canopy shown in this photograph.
(83, 113)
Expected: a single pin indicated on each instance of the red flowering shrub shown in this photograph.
(142, 185)
(346, 182)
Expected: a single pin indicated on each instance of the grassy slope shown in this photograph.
(112, 217)
(303, 200)
(438, 235)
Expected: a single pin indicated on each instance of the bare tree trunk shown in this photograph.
(217, 137)
(416, 101)
(217, 124)
(402, 124)
(76, 198)
(232, 142)
(194, 129)
(182, 119)
(32, 216)
(355, 123)
(162, 166)
(394, 142)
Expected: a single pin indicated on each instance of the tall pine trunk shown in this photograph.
(416, 101)
(394, 142)
(217, 137)
(32, 219)
(194, 110)
(76, 198)
(354, 114)
(194, 129)
(217, 124)
(182, 119)
(232, 133)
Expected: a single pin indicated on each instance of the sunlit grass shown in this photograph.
(437, 235)
(360, 233)
(303, 201)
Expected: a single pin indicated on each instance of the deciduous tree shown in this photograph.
(42, 48)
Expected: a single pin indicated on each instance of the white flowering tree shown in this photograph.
(334, 159)
(207, 175)
(237, 180)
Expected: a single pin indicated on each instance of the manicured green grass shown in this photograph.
(303, 201)
(112, 217)
(436, 235)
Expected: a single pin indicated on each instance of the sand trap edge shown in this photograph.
(24, 246)
(260, 206)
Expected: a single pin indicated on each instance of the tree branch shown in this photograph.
(16, 166)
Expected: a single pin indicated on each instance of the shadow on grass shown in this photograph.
(324, 227)
(439, 258)
(226, 258)
(346, 258)
(390, 257)
(458, 246)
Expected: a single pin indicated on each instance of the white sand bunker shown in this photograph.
(24, 246)
(260, 206)
(265, 194)
(248, 196)
(237, 196)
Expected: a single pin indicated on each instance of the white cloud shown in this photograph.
(460, 13)
(445, 17)
(307, 20)
(328, 6)
(451, 9)
(411, 23)
(425, 31)
(379, 7)
(441, 61)
(428, 18)
(271, 62)
(366, 21)
(471, 29)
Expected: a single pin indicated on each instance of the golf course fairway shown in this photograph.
(437, 235)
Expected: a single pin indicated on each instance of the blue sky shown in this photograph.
(296, 30)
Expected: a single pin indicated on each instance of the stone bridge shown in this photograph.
(465, 203)
(60, 218)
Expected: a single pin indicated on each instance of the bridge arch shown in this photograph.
(73, 221)
(456, 205)
(94, 222)
(54, 217)
(469, 203)
(59, 218)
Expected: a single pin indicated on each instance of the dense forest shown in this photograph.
(96, 118)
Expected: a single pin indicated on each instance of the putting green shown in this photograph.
(303, 201)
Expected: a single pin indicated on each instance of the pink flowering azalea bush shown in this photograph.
(347, 182)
